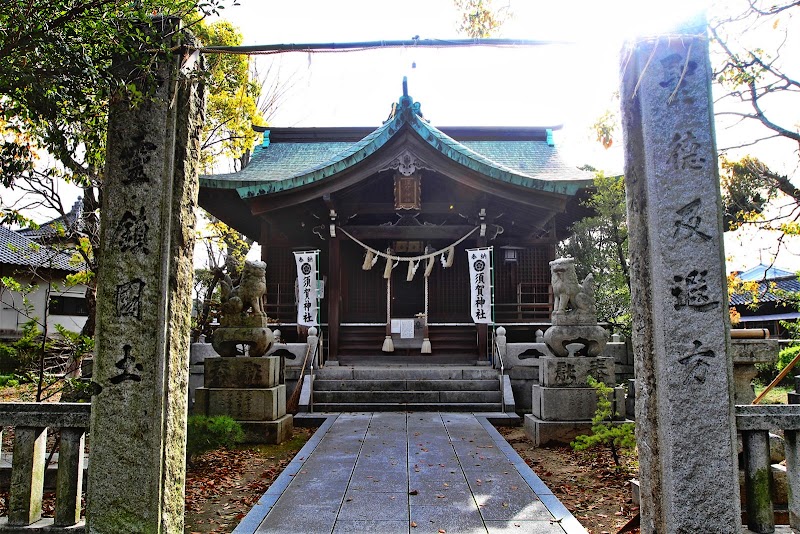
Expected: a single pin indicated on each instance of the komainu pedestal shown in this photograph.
(562, 403)
(248, 390)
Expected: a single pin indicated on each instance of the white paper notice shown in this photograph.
(407, 329)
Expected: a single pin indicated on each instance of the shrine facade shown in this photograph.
(392, 212)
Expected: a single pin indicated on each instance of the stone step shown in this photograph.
(407, 373)
(475, 407)
(406, 385)
(406, 397)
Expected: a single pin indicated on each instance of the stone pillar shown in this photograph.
(138, 418)
(758, 477)
(27, 476)
(684, 410)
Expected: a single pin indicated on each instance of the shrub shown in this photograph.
(208, 433)
(22, 354)
(604, 431)
(768, 371)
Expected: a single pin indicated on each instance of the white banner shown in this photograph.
(480, 266)
(306, 287)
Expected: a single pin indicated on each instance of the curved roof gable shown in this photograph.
(278, 167)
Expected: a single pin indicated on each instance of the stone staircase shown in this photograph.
(408, 388)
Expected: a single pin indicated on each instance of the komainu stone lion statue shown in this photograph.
(243, 320)
(247, 295)
(574, 312)
(568, 294)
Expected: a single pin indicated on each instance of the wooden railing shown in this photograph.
(755, 422)
(30, 422)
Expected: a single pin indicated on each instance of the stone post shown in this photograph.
(684, 411)
(27, 475)
(138, 418)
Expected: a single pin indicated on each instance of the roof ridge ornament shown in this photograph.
(405, 109)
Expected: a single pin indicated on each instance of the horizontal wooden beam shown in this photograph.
(410, 233)
(429, 208)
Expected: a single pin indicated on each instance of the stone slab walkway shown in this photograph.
(414, 472)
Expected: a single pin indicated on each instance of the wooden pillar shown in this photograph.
(334, 295)
(264, 240)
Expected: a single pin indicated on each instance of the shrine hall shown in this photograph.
(392, 212)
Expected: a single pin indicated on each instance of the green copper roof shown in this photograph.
(282, 166)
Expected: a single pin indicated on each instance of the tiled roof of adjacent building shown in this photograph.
(16, 249)
(762, 272)
(773, 283)
(69, 223)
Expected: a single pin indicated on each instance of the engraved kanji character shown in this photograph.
(684, 152)
(565, 373)
(692, 291)
(689, 222)
(132, 232)
(697, 363)
(127, 364)
(128, 300)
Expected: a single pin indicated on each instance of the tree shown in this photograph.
(753, 74)
(599, 244)
(605, 432)
(757, 81)
(56, 76)
(232, 107)
(479, 19)
(57, 135)
(226, 250)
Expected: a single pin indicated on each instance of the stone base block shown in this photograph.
(544, 432)
(242, 372)
(794, 397)
(524, 354)
(573, 372)
(198, 352)
(266, 404)
(619, 352)
(271, 432)
(570, 404)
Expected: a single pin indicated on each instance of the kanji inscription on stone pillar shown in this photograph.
(684, 409)
(138, 421)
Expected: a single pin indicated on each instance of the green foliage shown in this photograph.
(56, 77)
(479, 19)
(12, 380)
(768, 372)
(745, 193)
(77, 390)
(77, 343)
(208, 433)
(22, 354)
(231, 108)
(599, 244)
(604, 431)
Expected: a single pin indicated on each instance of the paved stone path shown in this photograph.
(412, 473)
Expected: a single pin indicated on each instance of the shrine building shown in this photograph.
(392, 212)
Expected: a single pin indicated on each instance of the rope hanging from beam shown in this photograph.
(373, 253)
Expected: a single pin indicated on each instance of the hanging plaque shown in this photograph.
(407, 192)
